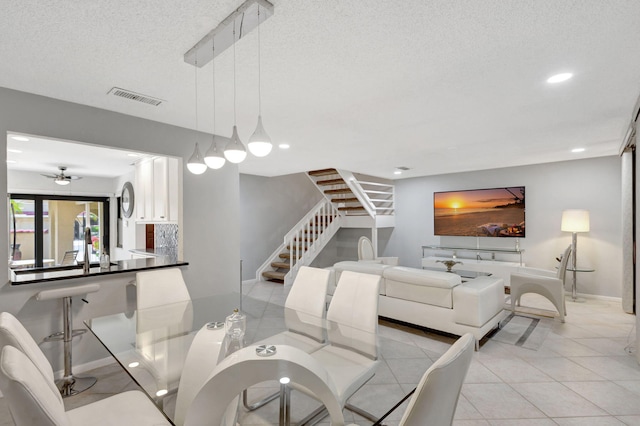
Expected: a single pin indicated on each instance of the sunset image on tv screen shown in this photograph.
(495, 212)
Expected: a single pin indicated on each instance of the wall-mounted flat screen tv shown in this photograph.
(493, 212)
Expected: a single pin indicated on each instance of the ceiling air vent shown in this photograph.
(128, 94)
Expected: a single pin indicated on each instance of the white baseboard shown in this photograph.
(81, 368)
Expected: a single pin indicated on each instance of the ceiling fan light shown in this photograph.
(61, 181)
(196, 164)
(235, 151)
(213, 158)
(260, 142)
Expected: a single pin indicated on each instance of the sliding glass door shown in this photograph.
(49, 230)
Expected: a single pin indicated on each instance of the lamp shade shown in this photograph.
(62, 181)
(235, 151)
(260, 142)
(196, 164)
(575, 221)
(213, 157)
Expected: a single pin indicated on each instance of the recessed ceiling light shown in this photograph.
(133, 155)
(11, 162)
(397, 172)
(134, 364)
(15, 151)
(578, 150)
(284, 146)
(559, 78)
(19, 138)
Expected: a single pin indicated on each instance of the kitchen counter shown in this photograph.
(40, 275)
(157, 252)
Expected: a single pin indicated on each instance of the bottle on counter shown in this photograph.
(105, 262)
(236, 324)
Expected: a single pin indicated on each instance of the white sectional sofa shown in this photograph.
(433, 299)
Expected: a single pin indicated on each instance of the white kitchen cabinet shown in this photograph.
(157, 197)
(143, 192)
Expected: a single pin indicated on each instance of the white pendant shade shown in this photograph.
(196, 164)
(260, 142)
(214, 158)
(235, 151)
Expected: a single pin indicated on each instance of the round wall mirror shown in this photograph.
(127, 199)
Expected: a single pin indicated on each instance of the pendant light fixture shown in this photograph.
(235, 151)
(196, 164)
(214, 158)
(260, 142)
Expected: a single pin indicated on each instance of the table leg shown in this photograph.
(285, 405)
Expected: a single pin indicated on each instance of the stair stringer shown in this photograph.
(327, 218)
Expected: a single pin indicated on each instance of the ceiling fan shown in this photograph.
(61, 178)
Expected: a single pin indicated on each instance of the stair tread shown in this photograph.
(345, 200)
(338, 191)
(274, 274)
(283, 265)
(339, 181)
(285, 256)
(342, 209)
(323, 172)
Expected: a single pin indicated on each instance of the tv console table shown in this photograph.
(499, 268)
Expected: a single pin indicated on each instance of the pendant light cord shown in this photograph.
(213, 75)
(234, 73)
(196, 87)
(259, 73)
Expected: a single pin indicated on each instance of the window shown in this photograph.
(45, 227)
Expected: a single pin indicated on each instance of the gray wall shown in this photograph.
(344, 245)
(592, 184)
(269, 208)
(211, 209)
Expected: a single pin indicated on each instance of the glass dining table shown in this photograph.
(170, 351)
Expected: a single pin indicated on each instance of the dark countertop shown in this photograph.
(40, 275)
(160, 251)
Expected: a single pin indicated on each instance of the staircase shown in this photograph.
(302, 244)
(348, 202)
(353, 196)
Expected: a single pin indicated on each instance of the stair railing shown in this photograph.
(358, 191)
(309, 236)
(381, 196)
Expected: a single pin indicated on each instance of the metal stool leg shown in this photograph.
(70, 385)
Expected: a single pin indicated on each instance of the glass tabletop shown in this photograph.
(153, 344)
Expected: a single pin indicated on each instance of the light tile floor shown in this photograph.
(583, 374)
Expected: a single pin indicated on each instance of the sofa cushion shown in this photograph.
(478, 300)
(422, 277)
(422, 286)
(373, 268)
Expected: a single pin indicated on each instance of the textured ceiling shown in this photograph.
(436, 86)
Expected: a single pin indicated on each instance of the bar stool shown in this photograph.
(69, 385)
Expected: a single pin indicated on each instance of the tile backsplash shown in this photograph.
(166, 237)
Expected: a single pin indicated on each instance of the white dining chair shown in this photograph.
(303, 315)
(350, 357)
(160, 287)
(215, 403)
(164, 323)
(434, 401)
(13, 333)
(367, 254)
(436, 397)
(33, 399)
(545, 283)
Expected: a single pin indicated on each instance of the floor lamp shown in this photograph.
(574, 221)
